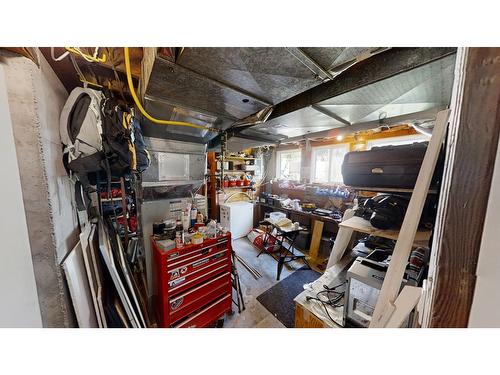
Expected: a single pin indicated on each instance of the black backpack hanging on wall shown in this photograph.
(99, 135)
(117, 142)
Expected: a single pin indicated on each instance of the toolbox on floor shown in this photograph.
(389, 166)
(193, 283)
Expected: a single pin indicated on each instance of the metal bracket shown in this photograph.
(310, 64)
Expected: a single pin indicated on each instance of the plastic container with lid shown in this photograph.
(197, 238)
(276, 216)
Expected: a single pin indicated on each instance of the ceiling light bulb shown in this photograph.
(339, 138)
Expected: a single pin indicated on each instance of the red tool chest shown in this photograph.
(193, 283)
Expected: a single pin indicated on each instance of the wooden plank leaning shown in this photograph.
(385, 306)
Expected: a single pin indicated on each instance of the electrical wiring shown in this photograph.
(87, 57)
(331, 301)
(77, 68)
(58, 58)
(80, 74)
(141, 108)
(117, 77)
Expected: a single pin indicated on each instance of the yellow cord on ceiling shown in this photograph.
(143, 111)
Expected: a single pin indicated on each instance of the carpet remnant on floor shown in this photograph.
(278, 300)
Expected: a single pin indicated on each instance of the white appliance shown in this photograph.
(237, 217)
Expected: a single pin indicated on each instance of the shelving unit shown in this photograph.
(237, 187)
(237, 158)
(361, 225)
(215, 175)
(237, 171)
(388, 190)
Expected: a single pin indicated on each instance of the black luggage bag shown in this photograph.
(387, 167)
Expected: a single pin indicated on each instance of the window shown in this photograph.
(326, 163)
(396, 141)
(288, 165)
(259, 167)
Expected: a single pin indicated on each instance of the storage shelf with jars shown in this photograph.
(236, 171)
(229, 174)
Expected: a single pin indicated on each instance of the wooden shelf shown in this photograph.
(388, 190)
(361, 225)
(237, 187)
(304, 213)
(237, 158)
(236, 171)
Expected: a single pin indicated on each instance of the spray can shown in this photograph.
(185, 220)
(179, 239)
(194, 213)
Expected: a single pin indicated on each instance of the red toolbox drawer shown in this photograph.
(183, 277)
(208, 314)
(195, 298)
(199, 275)
(195, 257)
(175, 255)
(190, 278)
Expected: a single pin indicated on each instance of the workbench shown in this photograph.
(312, 314)
(316, 223)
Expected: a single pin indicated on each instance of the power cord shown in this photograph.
(332, 301)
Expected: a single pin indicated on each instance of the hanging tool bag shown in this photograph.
(387, 167)
(99, 135)
(142, 154)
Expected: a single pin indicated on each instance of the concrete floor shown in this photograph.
(256, 315)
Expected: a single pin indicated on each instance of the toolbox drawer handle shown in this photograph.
(172, 289)
(220, 300)
(199, 287)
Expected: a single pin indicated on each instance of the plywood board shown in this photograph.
(129, 282)
(406, 301)
(95, 278)
(361, 225)
(342, 240)
(85, 238)
(79, 289)
(99, 279)
(105, 249)
(316, 239)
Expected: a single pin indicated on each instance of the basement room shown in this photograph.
(165, 190)
(272, 185)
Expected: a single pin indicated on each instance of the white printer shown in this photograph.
(365, 278)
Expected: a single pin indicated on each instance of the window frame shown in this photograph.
(278, 163)
(345, 146)
(259, 159)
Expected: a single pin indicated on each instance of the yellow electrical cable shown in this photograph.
(141, 108)
(86, 56)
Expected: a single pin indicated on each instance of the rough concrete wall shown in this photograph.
(20, 307)
(51, 96)
(35, 99)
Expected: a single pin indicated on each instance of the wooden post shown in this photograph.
(392, 283)
(341, 241)
(317, 232)
(212, 191)
(406, 301)
(474, 135)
